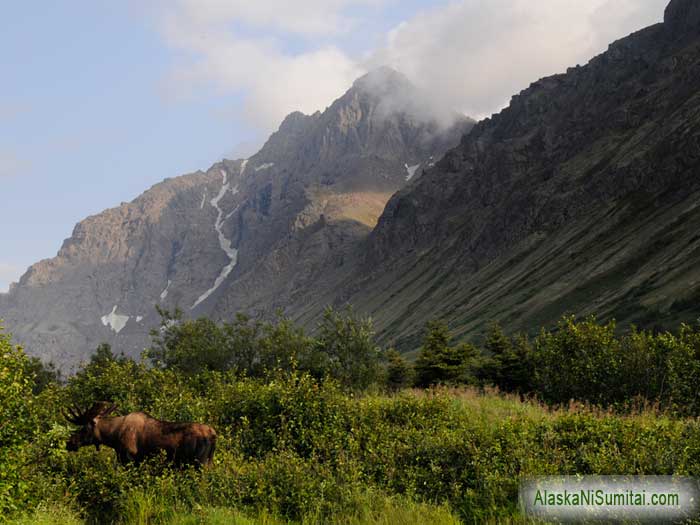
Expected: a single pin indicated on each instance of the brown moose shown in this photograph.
(138, 435)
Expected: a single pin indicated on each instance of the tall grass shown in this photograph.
(144, 509)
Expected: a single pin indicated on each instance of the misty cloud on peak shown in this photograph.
(394, 93)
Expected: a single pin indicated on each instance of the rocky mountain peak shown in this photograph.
(288, 141)
(381, 115)
(296, 121)
(389, 93)
(383, 81)
(682, 17)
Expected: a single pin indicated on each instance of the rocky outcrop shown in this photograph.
(321, 193)
(682, 18)
(107, 277)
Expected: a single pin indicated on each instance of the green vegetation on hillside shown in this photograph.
(306, 439)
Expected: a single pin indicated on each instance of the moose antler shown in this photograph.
(81, 416)
(75, 415)
(108, 410)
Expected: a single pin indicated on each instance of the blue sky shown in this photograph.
(100, 100)
(83, 123)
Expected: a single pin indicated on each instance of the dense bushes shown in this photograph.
(301, 448)
(300, 439)
(577, 359)
(587, 361)
(17, 422)
(343, 348)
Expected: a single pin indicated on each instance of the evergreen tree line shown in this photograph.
(581, 360)
(576, 360)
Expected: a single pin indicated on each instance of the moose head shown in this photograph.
(87, 420)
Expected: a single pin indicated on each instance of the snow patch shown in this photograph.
(115, 321)
(265, 166)
(243, 165)
(411, 170)
(225, 243)
(204, 196)
(164, 293)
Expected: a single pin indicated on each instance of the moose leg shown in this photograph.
(207, 453)
(122, 457)
(204, 451)
(129, 447)
(212, 447)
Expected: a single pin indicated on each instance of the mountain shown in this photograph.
(277, 230)
(581, 197)
(327, 187)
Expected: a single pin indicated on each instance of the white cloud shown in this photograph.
(471, 54)
(476, 55)
(237, 47)
(9, 273)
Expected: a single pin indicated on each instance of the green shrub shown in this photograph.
(578, 361)
(683, 353)
(18, 422)
(191, 346)
(347, 344)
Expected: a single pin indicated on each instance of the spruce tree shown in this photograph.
(438, 362)
(398, 371)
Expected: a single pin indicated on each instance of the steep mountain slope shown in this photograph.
(107, 277)
(324, 190)
(246, 235)
(581, 196)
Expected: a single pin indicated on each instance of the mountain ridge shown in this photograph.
(595, 149)
(317, 184)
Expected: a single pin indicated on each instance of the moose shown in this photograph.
(138, 435)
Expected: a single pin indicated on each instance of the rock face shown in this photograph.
(581, 196)
(106, 278)
(250, 235)
(682, 18)
(322, 183)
